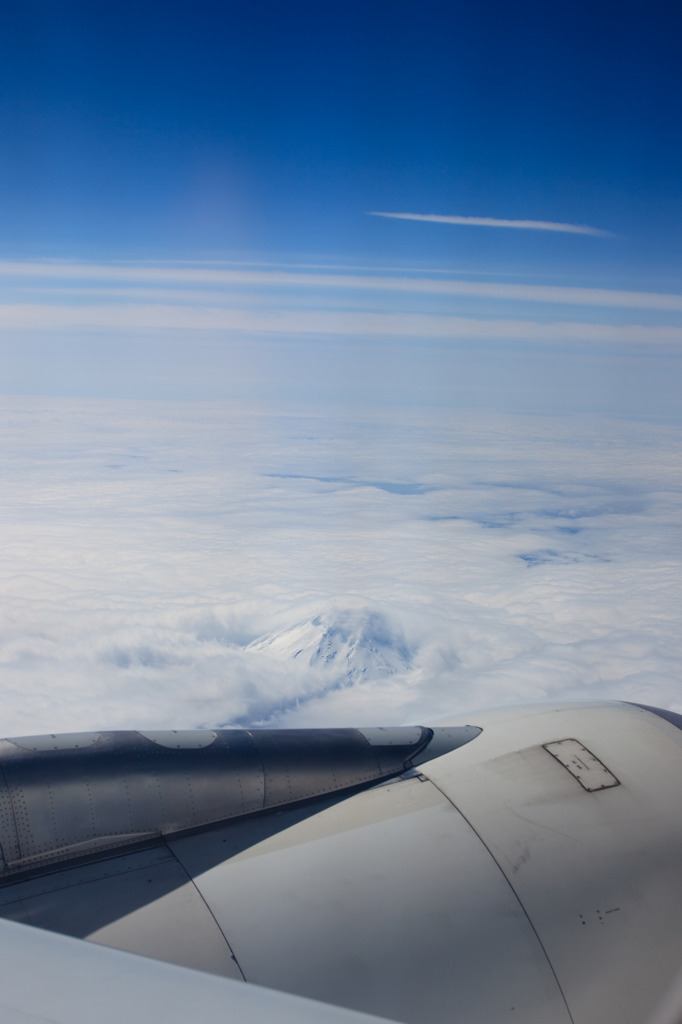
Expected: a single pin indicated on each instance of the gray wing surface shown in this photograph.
(46, 977)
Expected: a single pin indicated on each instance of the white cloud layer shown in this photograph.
(163, 564)
(496, 222)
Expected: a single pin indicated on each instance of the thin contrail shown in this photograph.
(494, 222)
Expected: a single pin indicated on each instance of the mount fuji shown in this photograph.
(346, 645)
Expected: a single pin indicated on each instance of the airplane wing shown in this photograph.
(527, 867)
(46, 977)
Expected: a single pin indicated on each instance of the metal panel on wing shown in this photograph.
(88, 793)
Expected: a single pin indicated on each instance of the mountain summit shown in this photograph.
(349, 644)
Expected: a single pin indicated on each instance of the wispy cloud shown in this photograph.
(142, 276)
(361, 325)
(496, 222)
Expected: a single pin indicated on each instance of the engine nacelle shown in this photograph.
(532, 873)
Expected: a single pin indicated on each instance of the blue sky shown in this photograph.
(261, 137)
(195, 130)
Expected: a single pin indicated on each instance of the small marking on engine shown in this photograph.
(582, 764)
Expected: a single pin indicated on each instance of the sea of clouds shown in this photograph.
(178, 564)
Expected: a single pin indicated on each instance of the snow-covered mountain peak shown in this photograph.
(348, 643)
